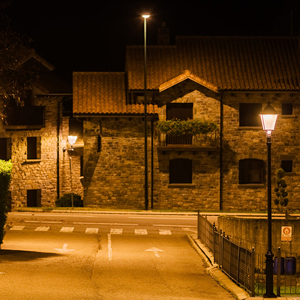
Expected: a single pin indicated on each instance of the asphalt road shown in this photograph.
(42, 260)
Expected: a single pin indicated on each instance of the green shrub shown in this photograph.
(5, 177)
(65, 201)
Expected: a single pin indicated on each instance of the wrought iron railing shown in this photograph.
(246, 267)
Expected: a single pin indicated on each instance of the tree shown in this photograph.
(5, 177)
(281, 201)
(17, 74)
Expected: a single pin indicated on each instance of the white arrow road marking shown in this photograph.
(17, 228)
(109, 247)
(64, 249)
(155, 251)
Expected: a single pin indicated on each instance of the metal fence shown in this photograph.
(246, 267)
(235, 261)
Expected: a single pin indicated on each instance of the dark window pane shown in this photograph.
(31, 147)
(251, 171)
(182, 111)
(5, 148)
(287, 165)
(180, 171)
(33, 198)
(287, 108)
(249, 114)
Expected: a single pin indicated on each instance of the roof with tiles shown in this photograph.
(220, 63)
(103, 93)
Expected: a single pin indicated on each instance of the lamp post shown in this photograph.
(72, 140)
(268, 119)
(145, 16)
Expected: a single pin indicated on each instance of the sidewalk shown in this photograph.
(220, 277)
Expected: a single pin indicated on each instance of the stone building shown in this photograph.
(34, 136)
(223, 80)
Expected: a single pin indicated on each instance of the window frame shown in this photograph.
(244, 165)
(182, 169)
(33, 148)
(246, 113)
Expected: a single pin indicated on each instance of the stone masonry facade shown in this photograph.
(114, 174)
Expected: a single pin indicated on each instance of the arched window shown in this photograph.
(180, 170)
(251, 171)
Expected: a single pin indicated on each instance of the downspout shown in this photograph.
(221, 151)
(58, 145)
(152, 175)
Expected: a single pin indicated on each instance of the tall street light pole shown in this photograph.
(145, 16)
(268, 120)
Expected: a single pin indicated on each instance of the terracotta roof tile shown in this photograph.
(233, 63)
(103, 93)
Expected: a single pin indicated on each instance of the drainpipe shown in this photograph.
(152, 176)
(58, 145)
(221, 151)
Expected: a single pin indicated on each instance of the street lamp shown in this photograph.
(268, 119)
(72, 140)
(145, 16)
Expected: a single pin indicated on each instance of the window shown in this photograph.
(181, 111)
(251, 171)
(180, 170)
(287, 109)
(287, 165)
(249, 114)
(33, 198)
(33, 148)
(5, 148)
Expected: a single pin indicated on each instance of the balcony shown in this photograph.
(187, 135)
(200, 142)
(27, 117)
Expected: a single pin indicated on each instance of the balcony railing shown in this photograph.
(210, 140)
(25, 116)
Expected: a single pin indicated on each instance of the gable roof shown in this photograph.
(103, 93)
(231, 63)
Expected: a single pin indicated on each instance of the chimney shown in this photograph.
(163, 35)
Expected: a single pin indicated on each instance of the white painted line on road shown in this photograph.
(64, 249)
(116, 231)
(155, 251)
(163, 217)
(92, 230)
(189, 229)
(140, 231)
(164, 225)
(17, 228)
(165, 232)
(108, 224)
(42, 228)
(46, 222)
(67, 229)
(109, 247)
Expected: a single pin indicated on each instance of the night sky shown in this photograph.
(91, 36)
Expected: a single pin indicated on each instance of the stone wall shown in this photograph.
(240, 143)
(253, 232)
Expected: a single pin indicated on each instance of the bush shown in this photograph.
(5, 177)
(65, 201)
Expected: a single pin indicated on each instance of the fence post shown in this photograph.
(252, 272)
(198, 229)
(220, 249)
(214, 241)
(278, 271)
